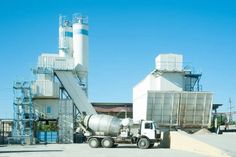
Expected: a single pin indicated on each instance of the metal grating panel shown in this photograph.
(65, 121)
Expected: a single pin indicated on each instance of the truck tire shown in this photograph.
(143, 143)
(94, 142)
(107, 143)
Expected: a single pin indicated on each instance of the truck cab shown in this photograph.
(149, 134)
(148, 129)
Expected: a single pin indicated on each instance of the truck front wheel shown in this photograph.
(143, 143)
(107, 142)
(94, 142)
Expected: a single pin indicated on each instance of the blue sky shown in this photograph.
(125, 36)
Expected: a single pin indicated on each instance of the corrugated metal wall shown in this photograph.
(163, 107)
(183, 109)
(195, 109)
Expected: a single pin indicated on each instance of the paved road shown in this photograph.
(75, 150)
(226, 142)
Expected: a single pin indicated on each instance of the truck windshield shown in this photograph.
(155, 125)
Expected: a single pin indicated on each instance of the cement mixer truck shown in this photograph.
(108, 131)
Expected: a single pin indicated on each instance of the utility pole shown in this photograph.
(230, 111)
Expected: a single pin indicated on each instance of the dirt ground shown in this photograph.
(226, 141)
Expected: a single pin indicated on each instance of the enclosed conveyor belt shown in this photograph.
(70, 83)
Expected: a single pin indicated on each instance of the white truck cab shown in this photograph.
(148, 134)
(148, 129)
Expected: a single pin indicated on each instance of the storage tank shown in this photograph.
(80, 45)
(105, 124)
(65, 37)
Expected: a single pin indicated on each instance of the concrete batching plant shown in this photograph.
(59, 92)
(52, 105)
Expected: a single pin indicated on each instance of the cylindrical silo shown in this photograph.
(80, 46)
(65, 37)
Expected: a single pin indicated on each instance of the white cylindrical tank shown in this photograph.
(80, 45)
(65, 37)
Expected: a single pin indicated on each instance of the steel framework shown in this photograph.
(23, 112)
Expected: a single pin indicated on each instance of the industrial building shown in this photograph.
(171, 95)
(5, 130)
(120, 110)
(48, 108)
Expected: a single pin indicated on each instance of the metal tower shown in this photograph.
(23, 113)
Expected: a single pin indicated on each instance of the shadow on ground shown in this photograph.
(29, 151)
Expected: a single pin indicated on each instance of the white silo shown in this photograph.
(80, 47)
(65, 37)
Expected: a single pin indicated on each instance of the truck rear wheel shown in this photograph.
(94, 142)
(107, 142)
(143, 143)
